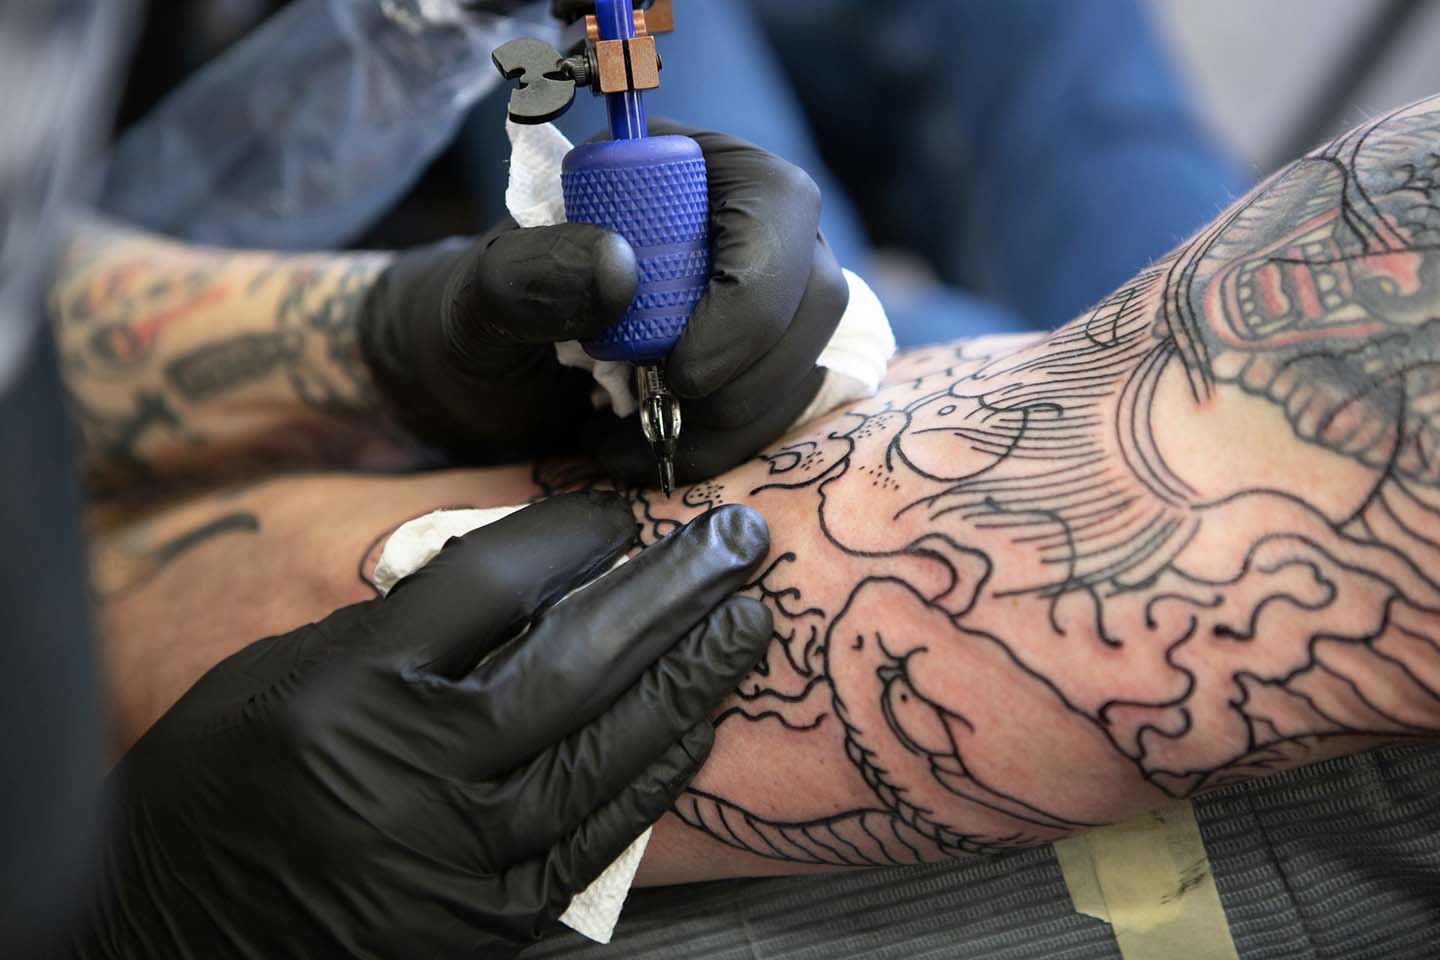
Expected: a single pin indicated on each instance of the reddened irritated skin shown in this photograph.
(1034, 586)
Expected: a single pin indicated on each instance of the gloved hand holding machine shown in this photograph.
(299, 776)
(723, 294)
(651, 190)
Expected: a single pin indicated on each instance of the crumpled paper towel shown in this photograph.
(856, 356)
(855, 359)
(594, 910)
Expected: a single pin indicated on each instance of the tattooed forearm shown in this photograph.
(1192, 537)
(1030, 587)
(192, 363)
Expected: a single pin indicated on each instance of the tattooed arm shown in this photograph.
(186, 362)
(1190, 538)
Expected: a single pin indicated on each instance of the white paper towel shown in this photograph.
(856, 357)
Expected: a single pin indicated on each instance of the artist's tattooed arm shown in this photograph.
(187, 363)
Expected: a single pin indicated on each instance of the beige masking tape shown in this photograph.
(1149, 878)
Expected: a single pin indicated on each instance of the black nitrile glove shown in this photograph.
(459, 336)
(398, 781)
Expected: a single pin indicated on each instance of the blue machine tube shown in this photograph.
(616, 21)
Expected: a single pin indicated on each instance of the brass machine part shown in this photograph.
(627, 64)
(660, 18)
(612, 74)
(644, 63)
(631, 64)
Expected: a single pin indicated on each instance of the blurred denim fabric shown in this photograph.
(1035, 153)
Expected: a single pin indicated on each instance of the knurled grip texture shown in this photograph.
(652, 192)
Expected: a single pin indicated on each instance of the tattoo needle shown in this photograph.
(659, 419)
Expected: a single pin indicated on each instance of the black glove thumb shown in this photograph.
(458, 336)
(537, 285)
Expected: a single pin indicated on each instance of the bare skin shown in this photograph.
(1190, 538)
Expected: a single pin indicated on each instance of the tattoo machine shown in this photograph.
(651, 190)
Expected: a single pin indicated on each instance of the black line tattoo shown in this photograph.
(1174, 640)
(131, 561)
(224, 365)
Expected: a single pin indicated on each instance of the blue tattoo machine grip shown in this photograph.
(650, 190)
(653, 192)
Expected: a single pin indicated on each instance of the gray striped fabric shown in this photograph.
(1338, 861)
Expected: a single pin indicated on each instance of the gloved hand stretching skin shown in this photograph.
(459, 338)
(397, 780)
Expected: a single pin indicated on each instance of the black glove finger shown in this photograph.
(564, 785)
(764, 215)
(701, 452)
(456, 336)
(481, 587)
(587, 650)
(539, 285)
(573, 865)
(779, 372)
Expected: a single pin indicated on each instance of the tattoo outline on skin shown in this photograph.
(1319, 294)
